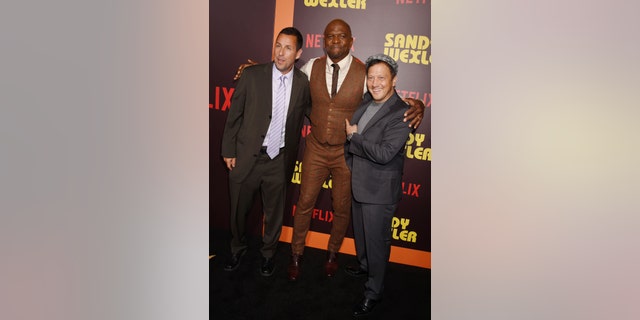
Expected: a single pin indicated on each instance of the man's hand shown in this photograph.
(415, 113)
(350, 129)
(231, 163)
(241, 68)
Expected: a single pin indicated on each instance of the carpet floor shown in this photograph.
(246, 294)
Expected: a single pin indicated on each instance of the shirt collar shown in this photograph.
(344, 63)
(275, 73)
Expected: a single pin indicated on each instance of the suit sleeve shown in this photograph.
(307, 110)
(235, 116)
(394, 139)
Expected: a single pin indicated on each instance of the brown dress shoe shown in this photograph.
(331, 266)
(293, 271)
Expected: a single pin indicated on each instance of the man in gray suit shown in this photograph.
(374, 154)
(260, 143)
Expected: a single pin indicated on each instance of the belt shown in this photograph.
(263, 150)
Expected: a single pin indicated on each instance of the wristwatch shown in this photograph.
(349, 136)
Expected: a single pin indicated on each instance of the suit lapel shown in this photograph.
(382, 112)
(358, 114)
(363, 107)
(267, 90)
(295, 92)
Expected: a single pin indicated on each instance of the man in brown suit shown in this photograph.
(337, 83)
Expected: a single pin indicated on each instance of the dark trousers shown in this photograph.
(372, 233)
(320, 161)
(267, 177)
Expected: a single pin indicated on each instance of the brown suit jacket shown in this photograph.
(328, 114)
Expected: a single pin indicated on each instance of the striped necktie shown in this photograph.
(277, 120)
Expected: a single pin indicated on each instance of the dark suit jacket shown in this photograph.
(250, 114)
(376, 155)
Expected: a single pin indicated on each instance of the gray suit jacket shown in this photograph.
(376, 156)
(249, 116)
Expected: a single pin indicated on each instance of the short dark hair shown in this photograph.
(291, 31)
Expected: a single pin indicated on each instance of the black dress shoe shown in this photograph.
(355, 271)
(234, 261)
(267, 267)
(364, 307)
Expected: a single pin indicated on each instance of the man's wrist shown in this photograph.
(349, 136)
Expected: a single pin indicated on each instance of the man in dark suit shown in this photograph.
(260, 143)
(374, 154)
